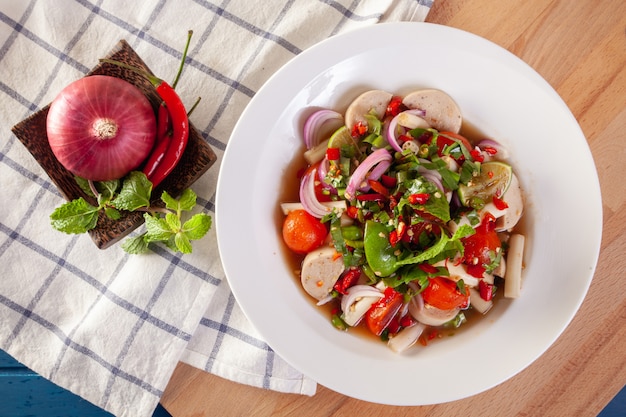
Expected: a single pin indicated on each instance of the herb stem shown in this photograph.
(153, 210)
(94, 190)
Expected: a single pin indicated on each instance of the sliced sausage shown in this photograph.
(514, 199)
(374, 101)
(321, 268)
(442, 112)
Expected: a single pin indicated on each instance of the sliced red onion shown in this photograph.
(322, 170)
(502, 152)
(322, 121)
(406, 337)
(356, 292)
(308, 198)
(432, 176)
(375, 174)
(392, 127)
(358, 177)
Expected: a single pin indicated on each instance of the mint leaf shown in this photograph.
(84, 185)
(157, 228)
(173, 221)
(135, 192)
(197, 226)
(135, 245)
(182, 243)
(76, 216)
(107, 189)
(112, 213)
(186, 201)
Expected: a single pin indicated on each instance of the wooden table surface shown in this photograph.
(579, 47)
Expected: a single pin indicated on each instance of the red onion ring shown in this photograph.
(314, 123)
(322, 171)
(358, 291)
(308, 198)
(391, 131)
(358, 176)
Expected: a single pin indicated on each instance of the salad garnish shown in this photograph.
(404, 225)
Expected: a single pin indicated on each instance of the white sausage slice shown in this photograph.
(375, 101)
(442, 112)
(321, 268)
(513, 198)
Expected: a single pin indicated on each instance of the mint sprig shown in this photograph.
(165, 225)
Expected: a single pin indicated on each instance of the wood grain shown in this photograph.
(579, 47)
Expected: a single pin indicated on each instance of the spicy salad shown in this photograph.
(402, 223)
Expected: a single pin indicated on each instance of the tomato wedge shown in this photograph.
(303, 232)
(482, 246)
(382, 312)
(442, 293)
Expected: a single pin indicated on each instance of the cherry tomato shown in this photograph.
(482, 245)
(303, 232)
(458, 137)
(442, 293)
(382, 312)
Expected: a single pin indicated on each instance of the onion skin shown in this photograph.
(101, 127)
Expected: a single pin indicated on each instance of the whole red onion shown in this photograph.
(101, 127)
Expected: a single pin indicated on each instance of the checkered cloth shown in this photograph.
(108, 326)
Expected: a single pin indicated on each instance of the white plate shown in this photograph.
(504, 98)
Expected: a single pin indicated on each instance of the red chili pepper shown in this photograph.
(419, 198)
(499, 203)
(378, 187)
(395, 106)
(477, 155)
(358, 130)
(180, 132)
(370, 197)
(333, 154)
(428, 268)
(485, 290)
(163, 139)
(393, 237)
(348, 279)
(487, 223)
(180, 124)
(490, 150)
(476, 271)
(406, 321)
(352, 212)
(388, 181)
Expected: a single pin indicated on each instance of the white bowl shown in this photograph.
(505, 99)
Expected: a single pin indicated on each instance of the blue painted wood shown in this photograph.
(617, 406)
(23, 393)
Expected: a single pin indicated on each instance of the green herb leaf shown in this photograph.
(135, 192)
(76, 216)
(173, 221)
(135, 245)
(112, 213)
(197, 226)
(186, 201)
(437, 248)
(157, 228)
(182, 243)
